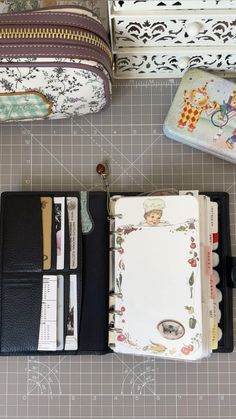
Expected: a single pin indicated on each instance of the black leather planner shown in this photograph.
(21, 250)
(22, 273)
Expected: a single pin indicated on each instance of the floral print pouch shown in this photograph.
(54, 63)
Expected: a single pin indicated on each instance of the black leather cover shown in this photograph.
(22, 232)
(95, 300)
(21, 275)
(21, 307)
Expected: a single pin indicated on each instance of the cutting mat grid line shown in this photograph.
(62, 155)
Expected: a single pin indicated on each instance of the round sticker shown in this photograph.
(171, 329)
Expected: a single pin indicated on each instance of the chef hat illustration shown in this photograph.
(152, 204)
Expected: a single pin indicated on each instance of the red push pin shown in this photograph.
(101, 169)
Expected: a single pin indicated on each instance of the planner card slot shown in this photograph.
(66, 304)
(20, 309)
(67, 240)
(54, 242)
(22, 244)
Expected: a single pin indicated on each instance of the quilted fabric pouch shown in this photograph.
(54, 63)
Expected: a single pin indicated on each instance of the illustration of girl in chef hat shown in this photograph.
(153, 208)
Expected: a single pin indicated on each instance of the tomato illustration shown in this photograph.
(185, 350)
(121, 338)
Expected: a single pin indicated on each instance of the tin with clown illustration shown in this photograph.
(203, 114)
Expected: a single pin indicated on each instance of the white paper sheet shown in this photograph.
(48, 322)
(157, 270)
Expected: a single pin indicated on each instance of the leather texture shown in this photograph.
(95, 303)
(22, 234)
(21, 251)
(21, 307)
(21, 288)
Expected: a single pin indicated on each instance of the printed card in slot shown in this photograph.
(71, 343)
(72, 208)
(48, 321)
(60, 312)
(46, 204)
(59, 213)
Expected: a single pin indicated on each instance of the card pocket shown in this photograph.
(20, 314)
(67, 239)
(66, 303)
(54, 241)
(22, 240)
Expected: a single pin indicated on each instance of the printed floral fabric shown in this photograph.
(21, 5)
(99, 7)
(71, 91)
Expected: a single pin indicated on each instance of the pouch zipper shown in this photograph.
(23, 33)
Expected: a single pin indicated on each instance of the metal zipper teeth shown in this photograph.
(55, 33)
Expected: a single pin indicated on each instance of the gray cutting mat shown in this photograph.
(63, 155)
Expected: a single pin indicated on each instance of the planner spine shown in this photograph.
(113, 294)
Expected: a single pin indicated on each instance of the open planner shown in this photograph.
(144, 275)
